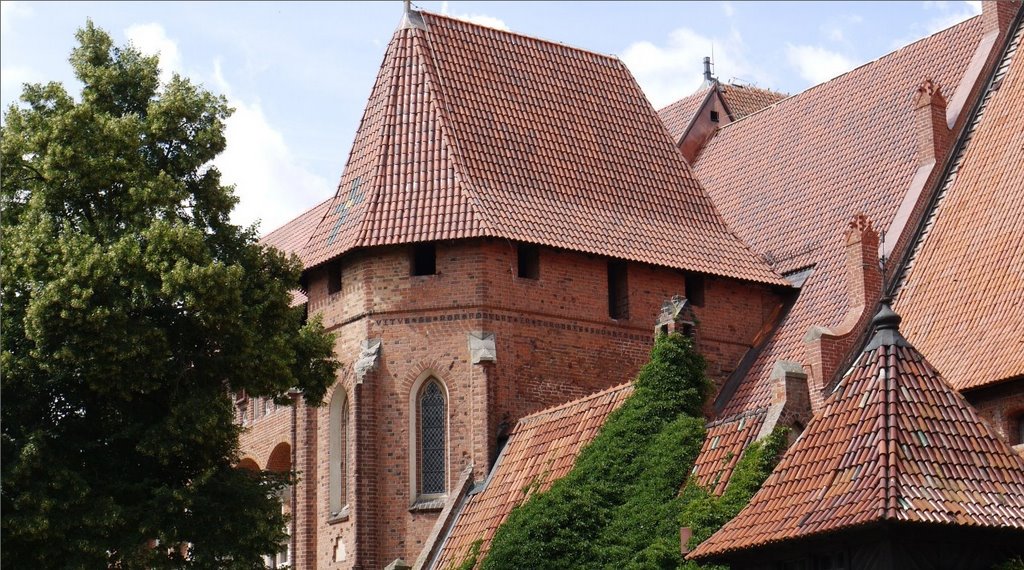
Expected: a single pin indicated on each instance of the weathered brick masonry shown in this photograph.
(554, 342)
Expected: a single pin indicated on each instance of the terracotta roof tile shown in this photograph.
(678, 116)
(471, 132)
(540, 450)
(725, 442)
(966, 284)
(292, 237)
(893, 442)
(743, 100)
(791, 199)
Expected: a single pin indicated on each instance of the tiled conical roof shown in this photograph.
(476, 132)
(894, 442)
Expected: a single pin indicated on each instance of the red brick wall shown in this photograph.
(555, 342)
(1001, 405)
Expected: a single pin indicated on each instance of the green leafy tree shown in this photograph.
(131, 306)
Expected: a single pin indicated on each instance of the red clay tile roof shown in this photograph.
(292, 237)
(788, 178)
(966, 284)
(739, 99)
(743, 100)
(723, 446)
(541, 449)
(893, 442)
(678, 116)
(472, 132)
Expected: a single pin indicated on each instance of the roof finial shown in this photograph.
(410, 18)
(887, 327)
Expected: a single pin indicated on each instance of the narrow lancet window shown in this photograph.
(432, 440)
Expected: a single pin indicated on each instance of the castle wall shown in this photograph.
(554, 342)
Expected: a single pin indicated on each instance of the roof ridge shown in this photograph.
(449, 136)
(577, 401)
(387, 135)
(521, 35)
(846, 73)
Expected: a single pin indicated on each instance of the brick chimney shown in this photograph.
(827, 348)
(863, 278)
(998, 14)
(933, 136)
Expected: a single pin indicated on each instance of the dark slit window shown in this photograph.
(424, 259)
(618, 290)
(529, 261)
(334, 277)
(695, 289)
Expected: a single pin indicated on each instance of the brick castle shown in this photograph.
(515, 223)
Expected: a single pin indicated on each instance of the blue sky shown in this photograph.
(298, 73)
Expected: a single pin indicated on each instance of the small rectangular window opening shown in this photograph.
(424, 259)
(334, 277)
(618, 290)
(714, 116)
(529, 261)
(695, 289)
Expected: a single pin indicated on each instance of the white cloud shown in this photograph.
(817, 64)
(271, 183)
(151, 39)
(484, 20)
(948, 14)
(729, 9)
(674, 70)
(13, 77)
(480, 19)
(951, 14)
(9, 10)
(834, 33)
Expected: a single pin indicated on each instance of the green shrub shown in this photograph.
(621, 506)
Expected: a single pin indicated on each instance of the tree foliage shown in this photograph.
(130, 307)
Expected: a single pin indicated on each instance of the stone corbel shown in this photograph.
(481, 347)
(369, 355)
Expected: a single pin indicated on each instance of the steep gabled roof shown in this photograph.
(540, 450)
(740, 100)
(476, 132)
(679, 116)
(894, 442)
(743, 100)
(966, 284)
(789, 177)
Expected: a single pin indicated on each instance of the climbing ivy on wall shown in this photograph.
(621, 507)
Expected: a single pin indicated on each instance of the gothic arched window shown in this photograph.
(338, 455)
(433, 416)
